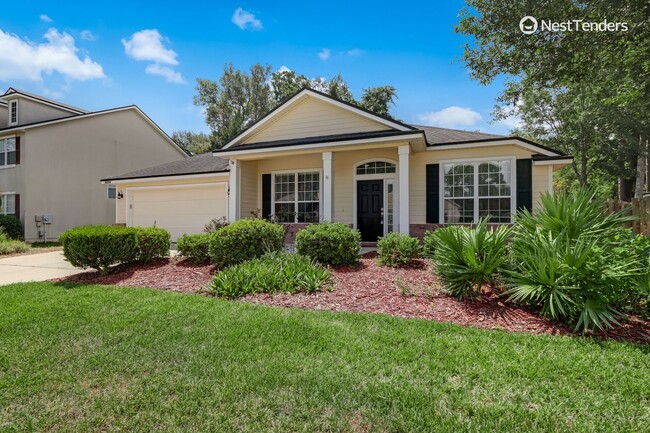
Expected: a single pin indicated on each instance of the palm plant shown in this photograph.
(565, 261)
(466, 258)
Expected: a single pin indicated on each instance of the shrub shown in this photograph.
(429, 247)
(466, 258)
(272, 273)
(329, 243)
(215, 224)
(570, 261)
(244, 240)
(13, 247)
(99, 247)
(12, 226)
(195, 247)
(152, 242)
(396, 250)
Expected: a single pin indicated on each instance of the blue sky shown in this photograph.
(150, 54)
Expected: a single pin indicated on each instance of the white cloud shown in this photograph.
(148, 45)
(45, 18)
(512, 122)
(325, 54)
(283, 68)
(23, 59)
(355, 52)
(168, 73)
(244, 19)
(451, 117)
(87, 35)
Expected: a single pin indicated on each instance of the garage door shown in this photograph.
(179, 210)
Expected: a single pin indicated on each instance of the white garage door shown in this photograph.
(178, 209)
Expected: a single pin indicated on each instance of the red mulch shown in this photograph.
(372, 289)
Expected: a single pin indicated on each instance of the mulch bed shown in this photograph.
(411, 292)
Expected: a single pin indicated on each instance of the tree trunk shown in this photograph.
(640, 168)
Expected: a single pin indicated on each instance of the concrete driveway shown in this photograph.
(35, 267)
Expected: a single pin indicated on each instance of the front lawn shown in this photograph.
(101, 358)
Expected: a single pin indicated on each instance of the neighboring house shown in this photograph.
(52, 154)
(315, 158)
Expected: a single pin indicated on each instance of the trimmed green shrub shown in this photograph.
(99, 247)
(466, 258)
(396, 250)
(245, 240)
(153, 243)
(12, 226)
(275, 272)
(575, 262)
(429, 247)
(329, 243)
(196, 248)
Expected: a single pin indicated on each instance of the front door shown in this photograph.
(370, 209)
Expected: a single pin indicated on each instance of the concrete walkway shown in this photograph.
(35, 267)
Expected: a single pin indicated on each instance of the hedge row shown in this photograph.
(100, 247)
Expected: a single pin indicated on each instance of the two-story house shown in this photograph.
(52, 156)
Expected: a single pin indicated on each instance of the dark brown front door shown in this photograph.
(370, 203)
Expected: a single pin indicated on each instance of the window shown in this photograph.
(390, 214)
(296, 197)
(7, 151)
(111, 191)
(8, 204)
(376, 167)
(473, 190)
(13, 113)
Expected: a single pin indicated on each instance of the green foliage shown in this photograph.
(466, 258)
(12, 226)
(573, 261)
(429, 247)
(8, 246)
(396, 250)
(329, 243)
(274, 272)
(100, 247)
(195, 247)
(245, 240)
(152, 242)
(194, 143)
(379, 99)
(215, 224)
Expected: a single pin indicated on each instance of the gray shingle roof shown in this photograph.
(204, 163)
(435, 135)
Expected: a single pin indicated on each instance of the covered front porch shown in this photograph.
(364, 186)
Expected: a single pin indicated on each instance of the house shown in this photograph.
(315, 158)
(52, 154)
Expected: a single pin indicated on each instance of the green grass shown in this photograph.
(97, 358)
(46, 244)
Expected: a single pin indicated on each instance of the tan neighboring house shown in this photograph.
(315, 158)
(52, 155)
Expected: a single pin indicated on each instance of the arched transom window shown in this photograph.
(376, 167)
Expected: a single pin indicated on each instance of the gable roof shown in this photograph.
(435, 135)
(199, 164)
(307, 92)
(12, 91)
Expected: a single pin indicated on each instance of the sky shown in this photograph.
(99, 55)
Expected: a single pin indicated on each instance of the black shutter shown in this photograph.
(433, 193)
(266, 195)
(17, 205)
(525, 184)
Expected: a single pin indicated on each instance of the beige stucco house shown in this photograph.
(315, 158)
(52, 155)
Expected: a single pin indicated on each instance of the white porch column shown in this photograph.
(327, 186)
(404, 196)
(234, 190)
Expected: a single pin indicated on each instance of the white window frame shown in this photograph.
(13, 104)
(3, 153)
(387, 178)
(3, 207)
(108, 191)
(475, 162)
(295, 201)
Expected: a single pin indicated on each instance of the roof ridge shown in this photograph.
(44, 99)
(457, 130)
